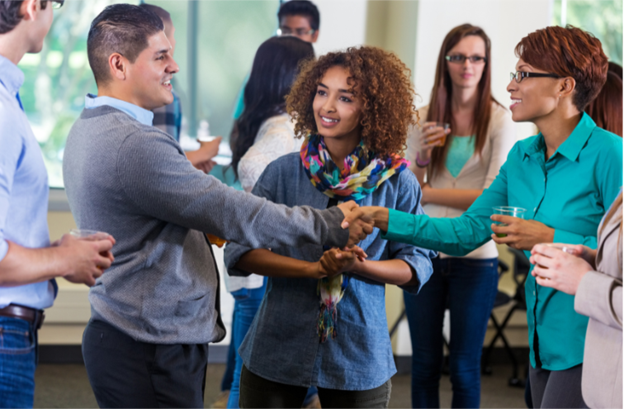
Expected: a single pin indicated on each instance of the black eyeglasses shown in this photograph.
(520, 75)
(460, 59)
(299, 32)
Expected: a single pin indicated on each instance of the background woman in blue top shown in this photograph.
(322, 321)
(452, 175)
(566, 176)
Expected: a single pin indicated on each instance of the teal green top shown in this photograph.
(569, 193)
(461, 149)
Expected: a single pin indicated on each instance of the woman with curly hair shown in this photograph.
(322, 321)
(457, 163)
(564, 178)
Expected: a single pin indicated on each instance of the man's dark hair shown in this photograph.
(123, 29)
(9, 14)
(159, 11)
(300, 8)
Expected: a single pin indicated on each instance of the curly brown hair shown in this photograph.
(379, 79)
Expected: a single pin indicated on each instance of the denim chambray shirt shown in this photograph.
(282, 344)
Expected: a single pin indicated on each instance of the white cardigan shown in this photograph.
(478, 172)
(275, 138)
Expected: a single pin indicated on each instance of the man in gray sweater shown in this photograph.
(157, 308)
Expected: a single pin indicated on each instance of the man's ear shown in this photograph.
(29, 9)
(117, 64)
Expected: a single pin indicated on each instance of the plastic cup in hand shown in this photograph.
(90, 235)
(508, 211)
(442, 125)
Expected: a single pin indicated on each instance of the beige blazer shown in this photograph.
(478, 173)
(599, 296)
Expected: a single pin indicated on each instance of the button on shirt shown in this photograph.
(282, 344)
(569, 192)
(23, 189)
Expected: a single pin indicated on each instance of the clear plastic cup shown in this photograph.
(512, 211)
(90, 235)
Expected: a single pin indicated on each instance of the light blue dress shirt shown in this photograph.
(23, 189)
(142, 115)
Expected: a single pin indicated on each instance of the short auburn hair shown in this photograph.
(568, 52)
(381, 81)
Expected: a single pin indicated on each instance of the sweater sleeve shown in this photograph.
(276, 140)
(503, 136)
(158, 179)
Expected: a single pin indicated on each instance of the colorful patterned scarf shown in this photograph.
(363, 173)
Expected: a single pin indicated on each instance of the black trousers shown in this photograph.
(257, 392)
(125, 373)
(556, 389)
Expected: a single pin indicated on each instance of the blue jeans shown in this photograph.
(246, 304)
(228, 375)
(468, 288)
(18, 360)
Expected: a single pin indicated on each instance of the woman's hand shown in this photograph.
(558, 269)
(430, 137)
(519, 233)
(359, 225)
(375, 214)
(336, 261)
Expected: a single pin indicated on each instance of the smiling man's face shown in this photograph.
(149, 77)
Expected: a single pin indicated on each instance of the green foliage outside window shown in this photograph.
(602, 18)
(58, 78)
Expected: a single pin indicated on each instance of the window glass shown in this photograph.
(58, 78)
(602, 18)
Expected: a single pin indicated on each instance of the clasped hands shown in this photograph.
(561, 266)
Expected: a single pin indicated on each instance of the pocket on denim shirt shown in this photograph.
(15, 337)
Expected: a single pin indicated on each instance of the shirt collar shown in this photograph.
(572, 146)
(10, 75)
(142, 115)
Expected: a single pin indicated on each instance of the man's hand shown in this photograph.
(202, 158)
(376, 215)
(86, 259)
(359, 226)
(558, 269)
(520, 234)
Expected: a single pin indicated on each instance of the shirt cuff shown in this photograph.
(4, 249)
(401, 226)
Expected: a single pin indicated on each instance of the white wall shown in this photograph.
(504, 21)
(343, 24)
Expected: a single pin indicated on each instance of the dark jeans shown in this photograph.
(468, 288)
(18, 360)
(556, 389)
(257, 392)
(125, 373)
(246, 304)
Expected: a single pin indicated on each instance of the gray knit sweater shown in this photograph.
(134, 182)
